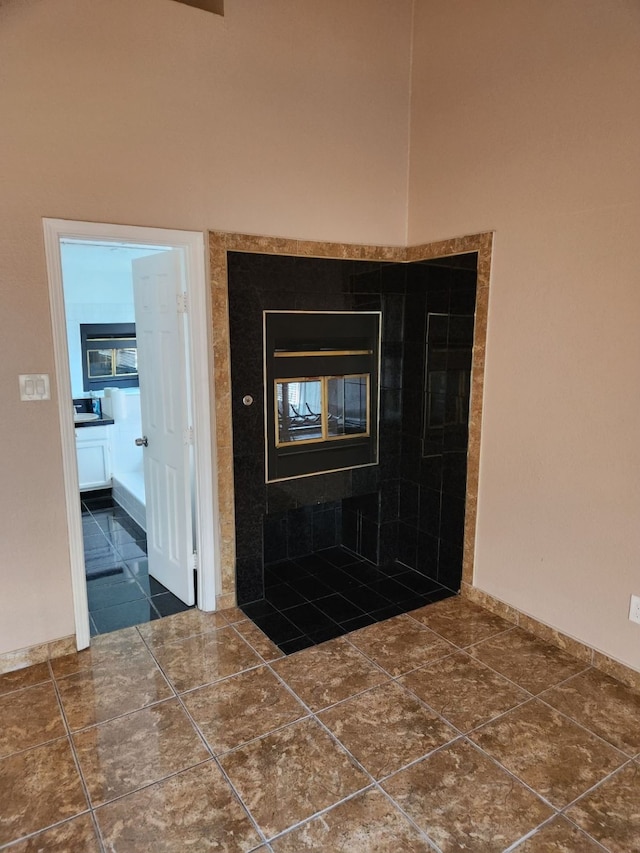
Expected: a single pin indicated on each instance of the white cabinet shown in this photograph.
(94, 457)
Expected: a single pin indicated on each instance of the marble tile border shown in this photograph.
(220, 243)
(577, 648)
(20, 658)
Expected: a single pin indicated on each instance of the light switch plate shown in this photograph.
(34, 386)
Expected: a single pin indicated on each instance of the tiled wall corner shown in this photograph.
(220, 243)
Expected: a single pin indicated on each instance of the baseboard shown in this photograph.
(18, 659)
(590, 655)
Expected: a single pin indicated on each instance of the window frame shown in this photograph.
(123, 336)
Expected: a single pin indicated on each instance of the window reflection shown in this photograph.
(299, 404)
(322, 408)
(347, 402)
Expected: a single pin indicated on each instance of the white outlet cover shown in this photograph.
(34, 386)
(634, 609)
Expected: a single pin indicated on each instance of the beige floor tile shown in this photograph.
(465, 801)
(238, 709)
(29, 717)
(181, 625)
(290, 774)
(38, 787)
(460, 621)
(107, 691)
(464, 690)
(233, 615)
(527, 660)
(328, 673)
(258, 640)
(77, 835)
(107, 650)
(122, 755)
(386, 728)
(549, 752)
(366, 823)
(611, 813)
(602, 704)
(205, 658)
(193, 811)
(400, 644)
(28, 676)
(559, 836)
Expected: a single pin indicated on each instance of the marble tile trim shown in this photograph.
(10, 661)
(220, 243)
(578, 649)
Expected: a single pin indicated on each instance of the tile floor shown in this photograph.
(328, 593)
(119, 588)
(445, 729)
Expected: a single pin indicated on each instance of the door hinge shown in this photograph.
(196, 563)
(181, 302)
(188, 436)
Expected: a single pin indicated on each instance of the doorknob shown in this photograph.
(142, 442)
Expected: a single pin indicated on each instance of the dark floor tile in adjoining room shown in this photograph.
(108, 595)
(124, 615)
(132, 550)
(108, 576)
(102, 558)
(151, 586)
(167, 604)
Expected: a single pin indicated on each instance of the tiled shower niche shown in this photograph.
(404, 513)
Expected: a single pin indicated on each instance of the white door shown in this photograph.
(160, 333)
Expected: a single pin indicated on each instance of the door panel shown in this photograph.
(160, 329)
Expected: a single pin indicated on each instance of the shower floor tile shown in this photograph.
(315, 598)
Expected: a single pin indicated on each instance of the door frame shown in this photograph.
(192, 246)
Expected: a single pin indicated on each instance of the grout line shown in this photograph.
(15, 841)
(408, 817)
(506, 770)
(614, 772)
(77, 763)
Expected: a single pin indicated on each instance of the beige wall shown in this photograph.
(290, 118)
(282, 118)
(526, 120)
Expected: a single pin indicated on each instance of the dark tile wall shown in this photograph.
(410, 506)
(434, 458)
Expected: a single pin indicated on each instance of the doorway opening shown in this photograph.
(135, 420)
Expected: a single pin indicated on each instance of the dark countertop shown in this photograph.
(99, 422)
